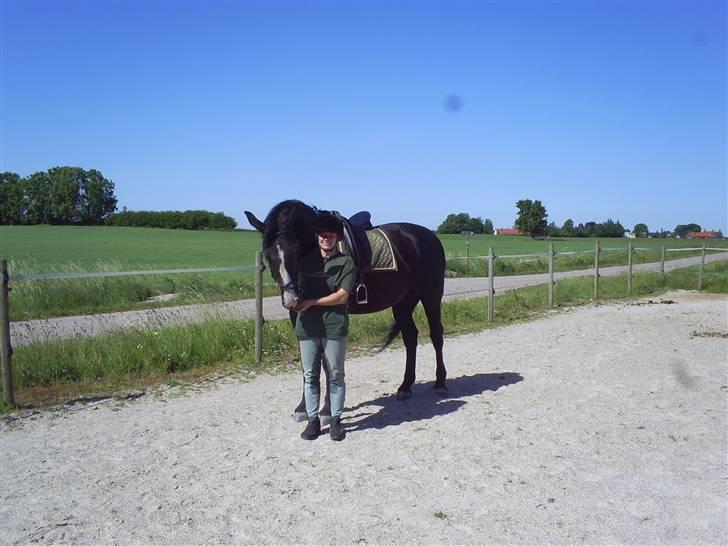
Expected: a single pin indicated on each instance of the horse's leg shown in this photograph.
(325, 413)
(403, 317)
(299, 414)
(431, 305)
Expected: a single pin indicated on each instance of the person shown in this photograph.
(322, 323)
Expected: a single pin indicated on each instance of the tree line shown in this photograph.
(72, 195)
(61, 195)
(532, 219)
(172, 219)
(457, 223)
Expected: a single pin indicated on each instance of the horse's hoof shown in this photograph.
(404, 395)
(440, 390)
(325, 419)
(299, 417)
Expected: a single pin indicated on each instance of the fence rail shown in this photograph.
(101, 274)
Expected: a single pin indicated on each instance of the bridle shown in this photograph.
(290, 285)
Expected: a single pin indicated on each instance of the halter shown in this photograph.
(290, 285)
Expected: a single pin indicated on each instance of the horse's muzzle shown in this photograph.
(290, 299)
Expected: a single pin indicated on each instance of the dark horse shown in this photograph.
(288, 235)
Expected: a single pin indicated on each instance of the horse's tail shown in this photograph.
(394, 331)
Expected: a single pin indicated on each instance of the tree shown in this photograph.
(12, 202)
(97, 200)
(610, 228)
(567, 230)
(488, 226)
(682, 230)
(64, 192)
(640, 230)
(531, 217)
(552, 230)
(35, 189)
(456, 223)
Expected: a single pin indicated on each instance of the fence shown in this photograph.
(259, 267)
(6, 352)
(551, 255)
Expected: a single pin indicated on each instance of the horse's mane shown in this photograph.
(289, 215)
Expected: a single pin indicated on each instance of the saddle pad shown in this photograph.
(382, 255)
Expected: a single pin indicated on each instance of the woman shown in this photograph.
(322, 324)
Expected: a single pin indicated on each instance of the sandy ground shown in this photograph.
(604, 424)
(24, 332)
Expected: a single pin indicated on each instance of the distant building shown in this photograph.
(629, 235)
(704, 235)
(509, 231)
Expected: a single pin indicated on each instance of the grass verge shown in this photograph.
(50, 372)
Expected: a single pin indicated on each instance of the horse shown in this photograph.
(288, 234)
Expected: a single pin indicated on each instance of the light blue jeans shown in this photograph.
(334, 351)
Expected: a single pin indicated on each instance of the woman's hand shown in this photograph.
(305, 304)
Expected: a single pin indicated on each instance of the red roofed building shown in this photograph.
(509, 231)
(704, 235)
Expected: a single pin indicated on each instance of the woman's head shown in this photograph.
(328, 230)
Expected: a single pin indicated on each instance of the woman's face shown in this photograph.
(326, 240)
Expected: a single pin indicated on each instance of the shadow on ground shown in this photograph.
(425, 403)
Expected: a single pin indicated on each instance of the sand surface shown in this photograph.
(603, 424)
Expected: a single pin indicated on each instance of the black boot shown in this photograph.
(336, 430)
(312, 430)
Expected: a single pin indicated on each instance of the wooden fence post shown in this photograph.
(491, 258)
(467, 252)
(6, 349)
(597, 250)
(662, 265)
(259, 307)
(702, 269)
(551, 275)
(629, 263)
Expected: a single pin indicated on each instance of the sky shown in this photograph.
(411, 110)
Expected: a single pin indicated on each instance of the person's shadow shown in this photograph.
(425, 403)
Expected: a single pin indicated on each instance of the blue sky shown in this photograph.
(599, 109)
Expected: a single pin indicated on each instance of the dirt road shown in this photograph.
(604, 424)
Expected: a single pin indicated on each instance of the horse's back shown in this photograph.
(418, 246)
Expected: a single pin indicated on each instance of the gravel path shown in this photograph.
(24, 332)
(603, 424)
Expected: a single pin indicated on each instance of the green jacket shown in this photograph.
(320, 277)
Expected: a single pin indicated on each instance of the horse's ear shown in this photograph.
(257, 224)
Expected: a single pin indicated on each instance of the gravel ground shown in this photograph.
(24, 332)
(604, 424)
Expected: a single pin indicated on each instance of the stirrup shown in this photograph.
(361, 294)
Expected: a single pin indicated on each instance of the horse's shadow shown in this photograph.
(425, 403)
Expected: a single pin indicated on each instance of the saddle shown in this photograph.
(357, 242)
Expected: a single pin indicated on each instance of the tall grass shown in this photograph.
(64, 297)
(99, 363)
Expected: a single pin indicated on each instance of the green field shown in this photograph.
(43, 249)
(50, 249)
(455, 245)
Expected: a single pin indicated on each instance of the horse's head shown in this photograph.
(287, 235)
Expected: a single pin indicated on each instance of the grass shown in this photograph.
(53, 371)
(56, 249)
